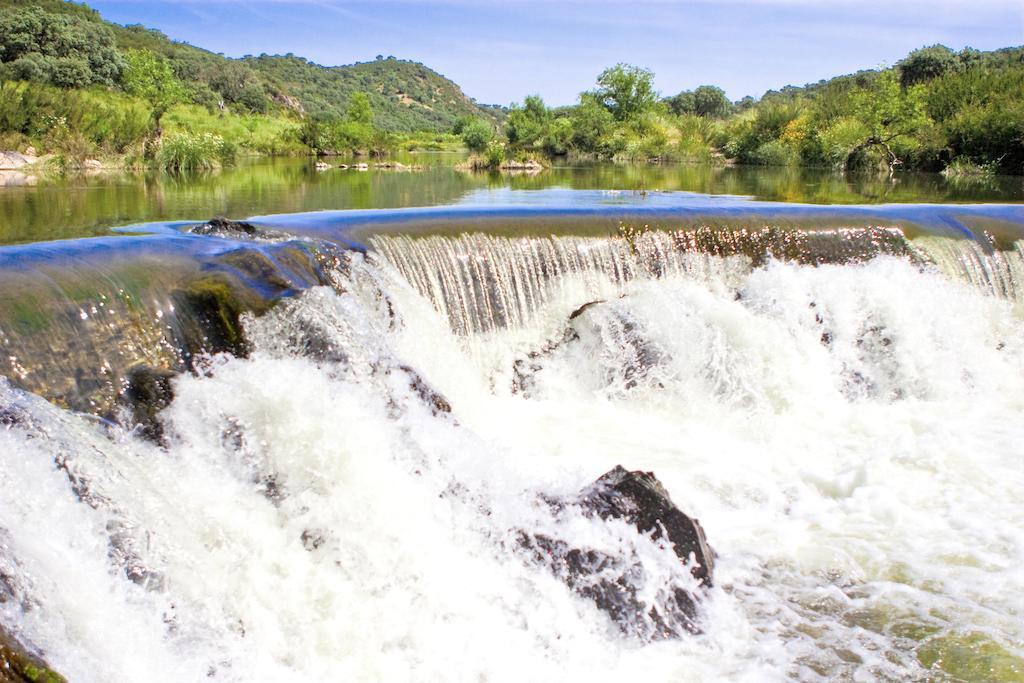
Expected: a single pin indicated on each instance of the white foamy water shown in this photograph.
(849, 436)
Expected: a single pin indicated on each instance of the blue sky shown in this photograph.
(500, 51)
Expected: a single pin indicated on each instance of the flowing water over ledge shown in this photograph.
(369, 406)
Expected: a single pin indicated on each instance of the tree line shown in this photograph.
(934, 110)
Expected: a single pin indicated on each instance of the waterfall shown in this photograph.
(481, 282)
(345, 493)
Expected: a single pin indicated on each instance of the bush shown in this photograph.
(187, 152)
(841, 138)
(65, 50)
(775, 153)
(477, 134)
(494, 155)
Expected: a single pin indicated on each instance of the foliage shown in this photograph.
(191, 152)
(405, 96)
(927, 63)
(707, 100)
(149, 76)
(527, 125)
(88, 121)
(68, 51)
(477, 134)
(358, 109)
(626, 91)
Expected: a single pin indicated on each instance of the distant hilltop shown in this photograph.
(404, 95)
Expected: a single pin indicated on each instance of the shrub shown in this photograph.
(66, 50)
(477, 134)
(775, 153)
(188, 152)
(841, 138)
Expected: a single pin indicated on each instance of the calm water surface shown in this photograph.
(78, 206)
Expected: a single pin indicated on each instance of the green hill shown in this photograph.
(404, 96)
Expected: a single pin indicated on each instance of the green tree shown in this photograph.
(889, 113)
(626, 91)
(359, 110)
(477, 134)
(683, 103)
(527, 125)
(927, 63)
(591, 122)
(66, 50)
(149, 76)
(708, 101)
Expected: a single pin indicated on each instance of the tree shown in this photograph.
(626, 91)
(67, 51)
(527, 125)
(359, 110)
(590, 123)
(888, 112)
(708, 101)
(711, 102)
(683, 103)
(149, 76)
(477, 134)
(922, 65)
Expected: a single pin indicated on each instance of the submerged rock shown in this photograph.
(615, 582)
(18, 665)
(214, 311)
(222, 227)
(147, 391)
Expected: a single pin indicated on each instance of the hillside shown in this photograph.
(404, 96)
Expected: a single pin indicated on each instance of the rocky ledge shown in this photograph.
(615, 582)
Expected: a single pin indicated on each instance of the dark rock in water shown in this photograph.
(147, 391)
(214, 310)
(613, 582)
(222, 227)
(18, 665)
(640, 499)
(435, 401)
(313, 539)
(597, 324)
(579, 311)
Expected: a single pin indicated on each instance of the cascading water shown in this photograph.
(347, 501)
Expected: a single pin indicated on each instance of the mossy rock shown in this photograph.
(970, 657)
(214, 310)
(18, 665)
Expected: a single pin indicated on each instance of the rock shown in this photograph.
(642, 500)
(147, 391)
(321, 166)
(530, 165)
(222, 227)
(12, 161)
(92, 164)
(18, 665)
(614, 582)
(343, 167)
(211, 311)
(313, 539)
(361, 167)
(30, 151)
(436, 402)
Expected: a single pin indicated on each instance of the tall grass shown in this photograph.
(194, 152)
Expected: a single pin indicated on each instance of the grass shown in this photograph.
(194, 152)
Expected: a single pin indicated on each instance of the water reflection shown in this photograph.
(89, 205)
